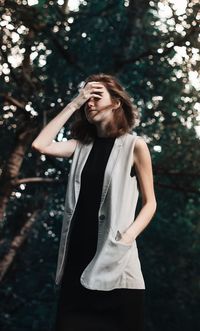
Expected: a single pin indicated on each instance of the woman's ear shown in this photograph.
(117, 104)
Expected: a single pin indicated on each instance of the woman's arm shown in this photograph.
(44, 141)
(143, 167)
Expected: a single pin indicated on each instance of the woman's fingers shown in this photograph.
(94, 85)
(95, 90)
(91, 89)
(96, 96)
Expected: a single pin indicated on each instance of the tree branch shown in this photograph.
(13, 101)
(19, 181)
(16, 245)
(178, 42)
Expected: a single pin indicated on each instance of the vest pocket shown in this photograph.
(117, 253)
(108, 266)
(116, 236)
(117, 239)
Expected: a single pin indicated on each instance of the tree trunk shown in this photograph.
(16, 244)
(12, 167)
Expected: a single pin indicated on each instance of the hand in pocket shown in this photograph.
(125, 238)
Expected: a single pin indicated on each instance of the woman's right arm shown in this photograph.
(44, 141)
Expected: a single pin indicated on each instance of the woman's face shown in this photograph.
(96, 109)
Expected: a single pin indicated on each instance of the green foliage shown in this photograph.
(55, 52)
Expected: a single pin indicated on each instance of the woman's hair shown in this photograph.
(125, 116)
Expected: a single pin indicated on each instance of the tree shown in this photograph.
(46, 51)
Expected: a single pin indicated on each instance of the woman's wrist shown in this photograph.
(77, 102)
(72, 106)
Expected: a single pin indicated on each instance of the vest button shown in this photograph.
(102, 217)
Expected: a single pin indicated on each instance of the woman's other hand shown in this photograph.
(126, 238)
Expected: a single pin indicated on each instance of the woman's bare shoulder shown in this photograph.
(141, 150)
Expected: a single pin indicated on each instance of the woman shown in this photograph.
(99, 273)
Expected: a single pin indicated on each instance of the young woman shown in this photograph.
(98, 271)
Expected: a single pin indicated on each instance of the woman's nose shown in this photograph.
(91, 102)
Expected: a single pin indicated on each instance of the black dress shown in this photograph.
(79, 308)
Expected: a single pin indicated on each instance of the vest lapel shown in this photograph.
(110, 165)
(84, 153)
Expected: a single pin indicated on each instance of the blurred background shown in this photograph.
(47, 49)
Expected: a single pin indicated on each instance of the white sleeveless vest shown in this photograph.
(115, 265)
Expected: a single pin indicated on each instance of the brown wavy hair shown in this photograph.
(125, 116)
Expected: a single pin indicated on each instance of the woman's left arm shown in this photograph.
(143, 167)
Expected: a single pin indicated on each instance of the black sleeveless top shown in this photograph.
(84, 226)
